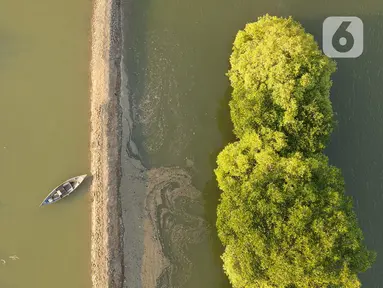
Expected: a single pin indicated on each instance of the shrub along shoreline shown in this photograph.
(284, 218)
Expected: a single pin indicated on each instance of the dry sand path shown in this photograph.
(106, 252)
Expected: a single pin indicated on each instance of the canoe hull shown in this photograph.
(63, 190)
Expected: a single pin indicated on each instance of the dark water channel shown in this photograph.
(175, 57)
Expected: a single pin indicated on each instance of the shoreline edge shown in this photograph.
(105, 145)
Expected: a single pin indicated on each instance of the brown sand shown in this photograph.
(106, 249)
(153, 260)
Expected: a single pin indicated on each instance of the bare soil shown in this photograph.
(106, 247)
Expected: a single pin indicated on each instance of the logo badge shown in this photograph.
(343, 37)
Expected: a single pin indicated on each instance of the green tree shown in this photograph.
(284, 218)
(285, 221)
(281, 83)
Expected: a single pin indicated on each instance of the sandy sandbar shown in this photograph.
(106, 242)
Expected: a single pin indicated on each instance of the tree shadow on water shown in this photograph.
(211, 192)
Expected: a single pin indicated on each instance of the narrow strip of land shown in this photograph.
(106, 252)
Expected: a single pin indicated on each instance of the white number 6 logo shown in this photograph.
(343, 37)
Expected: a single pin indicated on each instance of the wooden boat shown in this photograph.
(63, 190)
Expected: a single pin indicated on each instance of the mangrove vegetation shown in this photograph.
(284, 218)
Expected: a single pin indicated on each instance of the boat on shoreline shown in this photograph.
(63, 190)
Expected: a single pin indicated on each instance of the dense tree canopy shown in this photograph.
(281, 82)
(285, 221)
(284, 218)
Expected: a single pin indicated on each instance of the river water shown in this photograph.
(177, 120)
(44, 131)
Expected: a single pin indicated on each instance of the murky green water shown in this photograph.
(44, 133)
(177, 56)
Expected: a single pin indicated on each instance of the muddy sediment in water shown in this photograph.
(162, 212)
(142, 226)
(106, 252)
